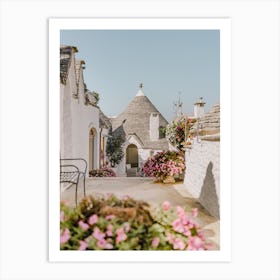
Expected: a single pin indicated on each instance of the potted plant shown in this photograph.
(164, 165)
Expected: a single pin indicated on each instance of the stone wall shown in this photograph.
(202, 177)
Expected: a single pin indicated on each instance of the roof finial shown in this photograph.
(179, 106)
(140, 92)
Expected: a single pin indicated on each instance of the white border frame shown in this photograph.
(222, 24)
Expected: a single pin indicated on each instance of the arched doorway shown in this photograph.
(132, 155)
(92, 148)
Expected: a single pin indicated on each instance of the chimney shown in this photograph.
(198, 109)
(154, 126)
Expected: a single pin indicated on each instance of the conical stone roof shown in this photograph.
(210, 122)
(137, 121)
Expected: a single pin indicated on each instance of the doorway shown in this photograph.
(92, 148)
(132, 155)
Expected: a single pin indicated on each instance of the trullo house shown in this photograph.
(142, 123)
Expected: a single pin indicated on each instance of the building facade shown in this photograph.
(83, 126)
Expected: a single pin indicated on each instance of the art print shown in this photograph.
(139, 159)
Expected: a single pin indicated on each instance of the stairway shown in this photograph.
(131, 172)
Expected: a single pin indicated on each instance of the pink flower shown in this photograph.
(93, 219)
(110, 217)
(191, 224)
(166, 205)
(209, 246)
(195, 243)
(178, 244)
(65, 236)
(184, 218)
(83, 225)
(170, 237)
(155, 242)
(83, 245)
(178, 226)
(187, 232)
(201, 234)
(194, 212)
(101, 243)
(98, 234)
(126, 197)
(109, 231)
(121, 236)
(108, 246)
(120, 230)
(62, 217)
(180, 211)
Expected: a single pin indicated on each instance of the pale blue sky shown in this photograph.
(166, 62)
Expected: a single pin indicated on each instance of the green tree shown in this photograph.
(114, 149)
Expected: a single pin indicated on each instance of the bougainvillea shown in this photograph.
(102, 172)
(164, 164)
(127, 224)
(177, 132)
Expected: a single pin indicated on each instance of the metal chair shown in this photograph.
(71, 169)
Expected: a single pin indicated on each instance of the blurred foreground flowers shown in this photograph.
(111, 223)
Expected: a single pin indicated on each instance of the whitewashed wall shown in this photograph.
(76, 120)
(84, 117)
(66, 112)
(202, 177)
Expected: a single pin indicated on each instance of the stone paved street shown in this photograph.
(150, 191)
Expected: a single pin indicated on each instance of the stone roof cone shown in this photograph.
(137, 120)
(210, 122)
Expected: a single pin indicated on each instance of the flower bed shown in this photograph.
(127, 224)
(102, 172)
(164, 164)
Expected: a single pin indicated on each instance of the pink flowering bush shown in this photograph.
(164, 164)
(175, 229)
(102, 172)
(126, 224)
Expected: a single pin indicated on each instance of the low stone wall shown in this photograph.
(202, 176)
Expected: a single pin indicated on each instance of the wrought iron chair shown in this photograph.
(71, 169)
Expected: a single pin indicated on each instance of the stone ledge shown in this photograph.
(119, 178)
(215, 137)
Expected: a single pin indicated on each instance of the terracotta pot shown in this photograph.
(169, 180)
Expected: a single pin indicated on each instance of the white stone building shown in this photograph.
(83, 127)
(141, 122)
(202, 176)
